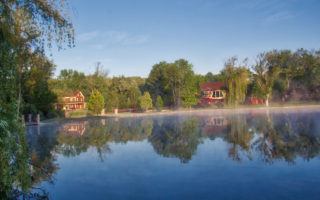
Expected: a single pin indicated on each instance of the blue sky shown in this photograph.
(129, 36)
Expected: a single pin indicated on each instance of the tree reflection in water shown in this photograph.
(287, 137)
(176, 137)
(25, 163)
(276, 136)
(238, 135)
(257, 135)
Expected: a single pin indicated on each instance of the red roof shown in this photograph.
(212, 86)
(75, 94)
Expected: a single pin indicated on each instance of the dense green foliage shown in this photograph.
(236, 80)
(26, 28)
(287, 76)
(96, 102)
(124, 92)
(264, 77)
(276, 75)
(159, 103)
(145, 101)
(174, 82)
(37, 96)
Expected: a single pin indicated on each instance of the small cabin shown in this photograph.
(75, 101)
(212, 93)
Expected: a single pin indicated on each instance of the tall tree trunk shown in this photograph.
(267, 100)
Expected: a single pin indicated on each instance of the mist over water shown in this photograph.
(248, 154)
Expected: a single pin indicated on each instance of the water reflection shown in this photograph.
(287, 137)
(273, 136)
(265, 136)
(26, 161)
(176, 137)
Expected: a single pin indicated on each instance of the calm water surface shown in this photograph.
(251, 155)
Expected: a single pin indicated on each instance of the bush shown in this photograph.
(145, 101)
(159, 103)
(96, 102)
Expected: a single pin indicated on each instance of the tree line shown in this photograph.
(277, 75)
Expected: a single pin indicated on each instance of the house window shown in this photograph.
(218, 93)
(207, 94)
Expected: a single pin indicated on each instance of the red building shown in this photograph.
(212, 93)
(255, 101)
(72, 102)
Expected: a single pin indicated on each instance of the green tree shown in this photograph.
(27, 27)
(69, 81)
(96, 102)
(236, 78)
(98, 80)
(36, 94)
(174, 82)
(264, 77)
(189, 91)
(112, 100)
(210, 77)
(145, 101)
(157, 83)
(159, 103)
(126, 91)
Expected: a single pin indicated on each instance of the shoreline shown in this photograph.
(201, 111)
(217, 111)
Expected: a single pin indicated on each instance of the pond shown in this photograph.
(255, 154)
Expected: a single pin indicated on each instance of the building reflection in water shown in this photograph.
(214, 125)
(74, 128)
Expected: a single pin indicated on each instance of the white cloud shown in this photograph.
(279, 16)
(85, 37)
(100, 39)
(270, 11)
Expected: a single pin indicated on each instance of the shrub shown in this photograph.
(145, 101)
(159, 103)
(96, 102)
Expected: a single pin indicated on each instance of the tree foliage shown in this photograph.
(236, 78)
(174, 82)
(36, 94)
(159, 103)
(156, 82)
(96, 102)
(145, 101)
(124, 92)
(26, 28)
(264, 77)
